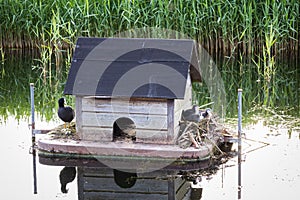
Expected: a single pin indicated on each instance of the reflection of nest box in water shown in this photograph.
(143, 82)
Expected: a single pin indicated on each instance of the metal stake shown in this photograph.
(239, 143)
(33, 138)
(32, 112)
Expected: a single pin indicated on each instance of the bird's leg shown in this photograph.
(65, 125)
(68, 130)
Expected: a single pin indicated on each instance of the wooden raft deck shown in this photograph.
(49, 147)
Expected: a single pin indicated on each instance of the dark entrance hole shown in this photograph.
(124, 179)
(124, 130)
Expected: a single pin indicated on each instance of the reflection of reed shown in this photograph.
(21, 67)
(17, 71)
(248, 74)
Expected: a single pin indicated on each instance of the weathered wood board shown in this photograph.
(101, 184)
(147, 106)
(142, 121)
(98, 115)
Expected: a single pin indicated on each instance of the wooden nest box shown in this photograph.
(137, 84)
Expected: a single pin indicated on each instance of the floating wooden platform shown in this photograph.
(121, 155)
(85, 149)
(124, 154)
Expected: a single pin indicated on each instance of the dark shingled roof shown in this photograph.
(132, 67)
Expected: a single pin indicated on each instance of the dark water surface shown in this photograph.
(271, 151)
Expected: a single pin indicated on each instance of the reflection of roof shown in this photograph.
(123, 67)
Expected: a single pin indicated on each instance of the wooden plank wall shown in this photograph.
(182, 104)
(96, 116)
(99, 183)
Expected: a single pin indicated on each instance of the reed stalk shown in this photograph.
(220, 26)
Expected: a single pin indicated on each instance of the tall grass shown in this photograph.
(220, 26)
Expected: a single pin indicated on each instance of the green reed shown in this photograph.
(220, 26)
(2, 55)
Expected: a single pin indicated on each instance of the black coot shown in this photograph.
(65, 113)
(191, 114)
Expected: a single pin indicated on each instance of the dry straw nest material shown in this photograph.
(194, 134)
(60, 132)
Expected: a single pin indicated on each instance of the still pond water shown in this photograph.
(271, 172)
(271, 151)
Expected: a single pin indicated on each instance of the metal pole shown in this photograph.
(33, 138)
(32, 112)
(239, 143)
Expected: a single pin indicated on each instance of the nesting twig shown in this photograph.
(192, 133)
